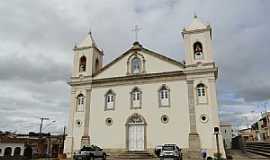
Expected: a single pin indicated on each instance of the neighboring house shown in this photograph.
(30, 145)
(247, 134)
(227, 134)
(143, 99)
(262, 127)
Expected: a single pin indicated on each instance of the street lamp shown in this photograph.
(216, 132)
(45, 127)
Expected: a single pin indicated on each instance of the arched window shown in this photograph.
(82, 64)
(164, 96)
(198, 51)
(201, 93)
(136, 65)
(110, 100)
(17, 151)
(136, 98)
(80, 103)
(97, 65)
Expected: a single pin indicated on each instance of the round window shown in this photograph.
(204, 118)
(109, 121)
(78, 123)
(164, 119)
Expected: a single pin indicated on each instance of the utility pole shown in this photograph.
(41, 124)
(64, 137)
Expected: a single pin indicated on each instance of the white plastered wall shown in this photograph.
(210, 109)
(114, 137)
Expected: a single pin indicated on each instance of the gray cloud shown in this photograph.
(36, 69)
(37, 38)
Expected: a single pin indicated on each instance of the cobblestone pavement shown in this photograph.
(239, 155)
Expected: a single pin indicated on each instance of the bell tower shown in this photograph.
(87, 58)
(198, 42)
(87, 61)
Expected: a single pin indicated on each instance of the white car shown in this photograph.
(170, 152)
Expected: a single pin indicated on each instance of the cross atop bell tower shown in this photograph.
(136, 31)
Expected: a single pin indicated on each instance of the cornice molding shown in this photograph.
(197, 31)
(142, 78)
(201, 64)
(129, 78)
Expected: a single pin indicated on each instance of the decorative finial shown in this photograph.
(90, 31)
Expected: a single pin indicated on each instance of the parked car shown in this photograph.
(90, 153)
(170, 152)
(158, 150)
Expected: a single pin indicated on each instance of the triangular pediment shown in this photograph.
(152, 62)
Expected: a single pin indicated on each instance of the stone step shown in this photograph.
(264, 144)
(137, 153)
(258, 149)
(266, 154)
(132, 155)
(110, 158)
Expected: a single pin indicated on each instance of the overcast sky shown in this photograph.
(37, 37)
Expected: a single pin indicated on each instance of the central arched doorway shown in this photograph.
(136, 133)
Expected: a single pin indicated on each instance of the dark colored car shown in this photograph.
(90, 153)
(158, 150)
(170, 152)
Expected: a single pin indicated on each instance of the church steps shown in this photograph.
(263, 144)
(131, 155)
(259, 148)
(258, 152)
(256, 149)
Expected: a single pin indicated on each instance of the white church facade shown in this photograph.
(143, 99)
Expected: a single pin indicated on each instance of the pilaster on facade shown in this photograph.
(194, 139)
(86, 136)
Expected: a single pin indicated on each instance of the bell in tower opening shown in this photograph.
(82, 64)
(198, 51)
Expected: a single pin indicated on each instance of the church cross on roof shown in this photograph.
(136, 31)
